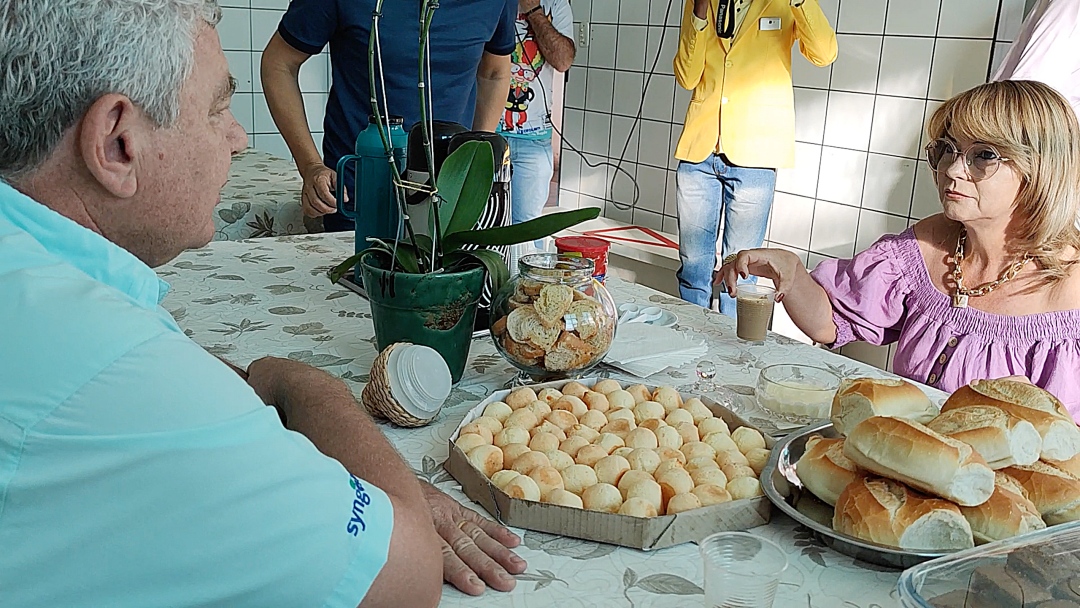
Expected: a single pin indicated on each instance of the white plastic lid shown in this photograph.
(419, 379)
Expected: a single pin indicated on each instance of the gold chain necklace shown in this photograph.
(960, 293)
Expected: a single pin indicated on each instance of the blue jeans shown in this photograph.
(706, 191)
(533, 164)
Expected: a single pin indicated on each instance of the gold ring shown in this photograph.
(461, 524)
(730, 258)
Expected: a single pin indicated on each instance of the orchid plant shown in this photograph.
(460, 193)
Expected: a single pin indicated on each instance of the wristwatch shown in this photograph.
(531, 11)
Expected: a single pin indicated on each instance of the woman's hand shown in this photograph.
(475, 550)
(782, 267)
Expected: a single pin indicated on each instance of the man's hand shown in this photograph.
(701, 9)
(318, 197)
(472, 545)
(525, 6)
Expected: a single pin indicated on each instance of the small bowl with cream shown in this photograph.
(800, 394)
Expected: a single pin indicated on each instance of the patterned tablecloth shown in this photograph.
(246, 299)
(262, 198)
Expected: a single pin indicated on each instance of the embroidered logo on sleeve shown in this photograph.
(360, 503)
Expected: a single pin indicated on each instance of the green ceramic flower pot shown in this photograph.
(435, 309)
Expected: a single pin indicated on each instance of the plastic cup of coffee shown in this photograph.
(741, 570)
(753, 311)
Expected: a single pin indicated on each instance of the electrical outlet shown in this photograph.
(583, 31)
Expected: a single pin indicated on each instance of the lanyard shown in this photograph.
(725, 19)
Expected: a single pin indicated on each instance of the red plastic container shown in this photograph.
(588, 247)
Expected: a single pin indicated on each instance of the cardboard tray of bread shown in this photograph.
(1040, 569)
(893, 481)
(641, 467)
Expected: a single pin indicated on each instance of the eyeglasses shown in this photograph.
(980, 160)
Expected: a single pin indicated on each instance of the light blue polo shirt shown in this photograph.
(137, 470)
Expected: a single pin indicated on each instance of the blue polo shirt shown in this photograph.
(138, 470)
(461, 31)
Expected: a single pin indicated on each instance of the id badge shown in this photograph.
(768, 24)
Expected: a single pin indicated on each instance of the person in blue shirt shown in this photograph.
(471, 43)
(135, 468)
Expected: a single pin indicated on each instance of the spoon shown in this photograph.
(645, 315)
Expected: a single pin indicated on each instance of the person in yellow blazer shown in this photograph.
(735, 55)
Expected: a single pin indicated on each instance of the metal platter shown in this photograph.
(781, 485)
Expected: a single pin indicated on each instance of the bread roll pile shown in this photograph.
(554, 327)
(631, 451)
(906, 476)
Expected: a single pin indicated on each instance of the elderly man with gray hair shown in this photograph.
(135, 468)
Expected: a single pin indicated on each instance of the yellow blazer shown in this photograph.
(742, 87)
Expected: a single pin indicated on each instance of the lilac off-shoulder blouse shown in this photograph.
(884, 295)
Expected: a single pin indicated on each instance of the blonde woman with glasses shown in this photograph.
(985, 289)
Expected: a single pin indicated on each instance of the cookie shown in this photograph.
(520, 321)
(586, 316)
(522, 352)
(499, 327)
(570, 352)
(553, 303)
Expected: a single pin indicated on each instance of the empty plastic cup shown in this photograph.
(741, 570)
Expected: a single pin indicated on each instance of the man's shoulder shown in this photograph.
(61, 328)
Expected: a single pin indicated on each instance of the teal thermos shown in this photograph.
(375, 212)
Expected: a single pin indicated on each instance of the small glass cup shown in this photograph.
(706, 371)
(753, 311)
(741, 570)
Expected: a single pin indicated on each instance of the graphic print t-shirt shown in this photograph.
(530, 96)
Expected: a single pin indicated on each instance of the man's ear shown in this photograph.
(111, 136)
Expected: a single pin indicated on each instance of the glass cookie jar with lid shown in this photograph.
(553, 319)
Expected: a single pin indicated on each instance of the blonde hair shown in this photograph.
(1034, 127)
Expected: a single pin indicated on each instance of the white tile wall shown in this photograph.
(628, 89)
(634, 11)
(856, 69)
(810, 105)
(834, 229)
(849, 119)
(889, 183)
(631, 50)
(659, 98)
(801, 179)
(792, 217)
(897, 125)
(905, 66)
(841, 175)
(652, 183)
(599, 90)
(967, 19)
(959, 64)
(862, 17)
(622, 130)
(246, 26)
(912, 18)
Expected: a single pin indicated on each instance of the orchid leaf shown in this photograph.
(493, 261)
(343, 268)
(464, 183)
(545, 225)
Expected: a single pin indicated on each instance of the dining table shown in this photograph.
(261, 199)
(250, 298)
